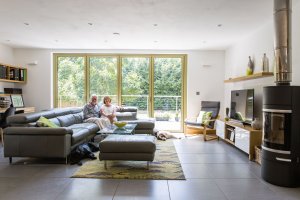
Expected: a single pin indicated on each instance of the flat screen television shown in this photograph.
(242, 105)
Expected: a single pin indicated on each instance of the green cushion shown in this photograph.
(206, 118)
(43, 121)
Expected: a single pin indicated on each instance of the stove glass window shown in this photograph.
(277, 129)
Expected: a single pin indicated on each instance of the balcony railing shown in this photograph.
(163, 105)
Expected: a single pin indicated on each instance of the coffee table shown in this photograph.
(126, 130)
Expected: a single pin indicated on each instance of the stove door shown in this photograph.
(277, 130)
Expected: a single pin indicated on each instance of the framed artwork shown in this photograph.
(17, 100)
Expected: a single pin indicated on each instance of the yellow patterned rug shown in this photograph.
(166, 166)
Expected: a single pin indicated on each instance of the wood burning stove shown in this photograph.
(281, 110)
(281, 135)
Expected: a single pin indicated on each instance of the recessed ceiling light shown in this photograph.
(219, 25)
(56, 40)
(105, 41)
(155, 41)
(27, 24)
(155, 24)
(116, 33)
(90, 23)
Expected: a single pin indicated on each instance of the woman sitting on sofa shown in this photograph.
(108, 112)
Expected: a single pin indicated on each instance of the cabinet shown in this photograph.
(242, 137)
(14, 74)
(220, 127)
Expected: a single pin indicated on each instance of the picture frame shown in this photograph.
(17, 100)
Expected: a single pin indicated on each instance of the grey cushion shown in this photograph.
(127, 109)
(128, 144)
(121, 116)
(66, 120)
(79, 135)
(26, 118)
(78, 117)
(90, 126)
(144, 123)
(29, 117)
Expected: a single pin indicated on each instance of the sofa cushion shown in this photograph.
(90, 126)
(66, 120)
(78, 117)
(25, 118)
(127, 109)
(121, 116)
(79, 134)
(144, 123)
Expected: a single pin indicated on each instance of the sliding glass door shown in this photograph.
(135, 84)
(70, 81)
(103, 77)
(168, 93)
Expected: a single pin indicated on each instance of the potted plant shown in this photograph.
(177, 116)
(162, 116)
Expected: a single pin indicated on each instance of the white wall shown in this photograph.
(37, 92)
(208, 81)
(261, 41)
(6, 57)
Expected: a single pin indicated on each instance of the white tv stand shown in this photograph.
(241, 136)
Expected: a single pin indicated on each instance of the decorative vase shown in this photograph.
(265, 63)
(227, 114)
(250, 67)
(256, 124)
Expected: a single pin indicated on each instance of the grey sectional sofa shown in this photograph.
(24, 139)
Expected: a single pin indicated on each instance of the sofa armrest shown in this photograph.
(37, 131)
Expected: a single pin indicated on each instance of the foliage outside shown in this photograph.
(103, 80)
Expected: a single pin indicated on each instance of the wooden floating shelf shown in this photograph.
(249, 77)
(12, 81)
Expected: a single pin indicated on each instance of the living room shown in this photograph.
(247, 29)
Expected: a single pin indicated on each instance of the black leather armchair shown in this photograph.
(207, 106)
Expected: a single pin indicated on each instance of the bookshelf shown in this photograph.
(13, 74)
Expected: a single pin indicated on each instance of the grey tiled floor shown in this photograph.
(214, 171)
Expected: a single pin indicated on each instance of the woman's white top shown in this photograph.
(108, 110)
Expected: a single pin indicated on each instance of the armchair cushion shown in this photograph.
(204, 117)
(200, 117)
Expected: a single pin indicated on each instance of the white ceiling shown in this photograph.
(181, 24)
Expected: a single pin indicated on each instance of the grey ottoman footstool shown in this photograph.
(127, 147)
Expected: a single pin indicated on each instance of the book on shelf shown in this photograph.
(16, 77)
(3, 72)
(12, 74)
(21, 71)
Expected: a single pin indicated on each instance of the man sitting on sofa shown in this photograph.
(91, 112)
